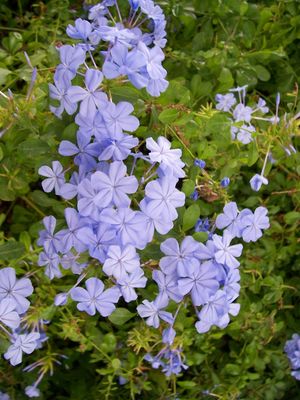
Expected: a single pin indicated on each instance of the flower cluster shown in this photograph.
(123, 196)
(13, 307)
(292, 349)
(242, 119)
(129, 48)
(242, 115)
(207, 273)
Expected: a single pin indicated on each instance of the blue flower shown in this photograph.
(123, 62)
(51, 262)
(32, 391)
(61, 299)
(91, 98)
(118, 148)
(84, 153)
(159, 223)
(225, 102)
(114, 187)
(167, 285)
(129, 226)
(15, 290)
(230, 219)
(201, 282)
(225, 254)
(120, 261)
(178, 259)
(94, 297)
(225, 182)
(257, 181)
(242, 113)
(26, 343)
(164, 198)
(162, 153)
(54, 177)
(71, 58)
(216, 312)
(202, 225)
(129, 282)
(244, 133)
(70, 237)
(81, 30)
(253, 224)
(117, 118)
(292, 350)
(47, 238)
(59, 92)
(98, 241)
(199, 163)
(152, 311)
(8, 315)
(261, 106)
(168, 335)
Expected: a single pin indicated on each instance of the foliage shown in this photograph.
(213, 46)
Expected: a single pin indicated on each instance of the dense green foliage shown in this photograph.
(213, 46)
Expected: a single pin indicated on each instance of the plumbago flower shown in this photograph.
(292, 350)
(13, 306)
(118, 209)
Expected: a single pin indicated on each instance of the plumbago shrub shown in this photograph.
(136, 274)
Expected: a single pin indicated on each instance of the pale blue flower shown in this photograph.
(51, 262)
(32, 391)
(71, 58)
(129, 226)
(242, 113)
(229, 219)
(120, 261)
(81, 30)
(54, 177)
(15, 290)
(253, 224)
(225, 254)
(162, 153)
(225, 102)
(25, 343)
(114, 187)
(179, 259)
(164, 198)
(152, 311)
(8, 315)
(128, 283)
(257, 181)
(201, 283)
(167, 285)
(95, 298)
(117, 118)
(91, 98)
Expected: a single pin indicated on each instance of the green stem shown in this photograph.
(33, 206)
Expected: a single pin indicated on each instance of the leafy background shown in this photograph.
(213, 46)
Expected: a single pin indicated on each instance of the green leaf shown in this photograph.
(292, 217)
(125, 93)
(120, 316)
(190, 217)
(262, 73)
(187, 384)
(188, 187)
(34, 147)
(11, 250)
(200, 236)
(168, 116)
(253, 154)
(3, 75)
